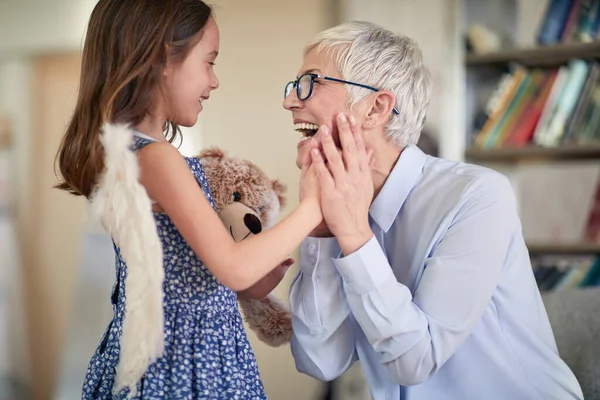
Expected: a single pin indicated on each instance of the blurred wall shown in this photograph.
(42, 26)
(14, 105)
(54, 233)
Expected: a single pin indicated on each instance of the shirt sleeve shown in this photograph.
(322, 343)
(417, 335)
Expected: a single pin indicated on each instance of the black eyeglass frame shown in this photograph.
(294, 84)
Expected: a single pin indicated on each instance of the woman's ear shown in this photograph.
(382, 107)
(385, 101)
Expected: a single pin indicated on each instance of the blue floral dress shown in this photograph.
(207, 354)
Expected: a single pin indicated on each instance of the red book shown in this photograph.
(592, 229)
(523, 132)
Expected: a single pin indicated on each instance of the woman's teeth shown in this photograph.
(307, 130)
(305, 126)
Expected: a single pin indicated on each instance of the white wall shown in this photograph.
(15, 98)
(14, 103)
(42, 26)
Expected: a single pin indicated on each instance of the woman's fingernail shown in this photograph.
(325, 130)
(352, 120)
(315, 152)
(342, 118)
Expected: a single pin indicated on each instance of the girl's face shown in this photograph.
(190, 83)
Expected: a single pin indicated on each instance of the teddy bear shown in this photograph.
(248, 202)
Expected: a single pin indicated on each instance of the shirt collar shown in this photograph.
(397, 187)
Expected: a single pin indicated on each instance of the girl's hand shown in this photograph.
(310, 192)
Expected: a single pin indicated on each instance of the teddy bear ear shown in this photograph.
(279, 188)
(212, 152)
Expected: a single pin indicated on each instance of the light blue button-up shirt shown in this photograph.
(440, 304)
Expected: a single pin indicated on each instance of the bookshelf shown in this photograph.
(565, 248)
(513, 126)
(535, 153)
(541, 56)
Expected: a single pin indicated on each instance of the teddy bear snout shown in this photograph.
(253, 223)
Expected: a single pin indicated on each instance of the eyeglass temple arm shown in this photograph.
(395, 110)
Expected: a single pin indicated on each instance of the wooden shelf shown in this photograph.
(536, 153)
(542, 56)
(566, 248)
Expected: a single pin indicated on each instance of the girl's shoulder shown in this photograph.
(141, 140)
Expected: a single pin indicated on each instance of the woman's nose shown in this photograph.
(291, 102)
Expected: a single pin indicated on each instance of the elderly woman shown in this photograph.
(419, 270)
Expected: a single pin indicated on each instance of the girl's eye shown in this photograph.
(212, 64)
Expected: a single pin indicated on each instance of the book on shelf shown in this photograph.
(592, 228)
(563, 273)
(568, 21)
(546, 107)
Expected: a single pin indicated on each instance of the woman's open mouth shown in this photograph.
(306, 130)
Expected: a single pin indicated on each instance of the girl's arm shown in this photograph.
(268, 283)
(169, 181)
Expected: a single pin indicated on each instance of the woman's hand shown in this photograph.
(346, 184)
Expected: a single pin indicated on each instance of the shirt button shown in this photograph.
(311, 247)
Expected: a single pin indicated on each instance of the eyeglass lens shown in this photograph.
(304, 87)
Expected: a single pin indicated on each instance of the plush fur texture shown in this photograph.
(229, 175)
(122, 205)
(248, 202)
(269, 318)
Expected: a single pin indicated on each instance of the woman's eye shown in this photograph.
(260, 209)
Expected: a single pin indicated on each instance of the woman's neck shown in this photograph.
(385, 156)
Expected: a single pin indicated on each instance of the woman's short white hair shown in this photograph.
(368, 54)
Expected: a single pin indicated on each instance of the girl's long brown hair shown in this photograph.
(127, 46)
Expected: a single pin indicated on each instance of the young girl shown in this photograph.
(149, 64)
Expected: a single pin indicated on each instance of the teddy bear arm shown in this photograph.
(269, 319)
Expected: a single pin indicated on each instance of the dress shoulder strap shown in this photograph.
(140, 140)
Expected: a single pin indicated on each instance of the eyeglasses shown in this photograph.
(304, 86)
